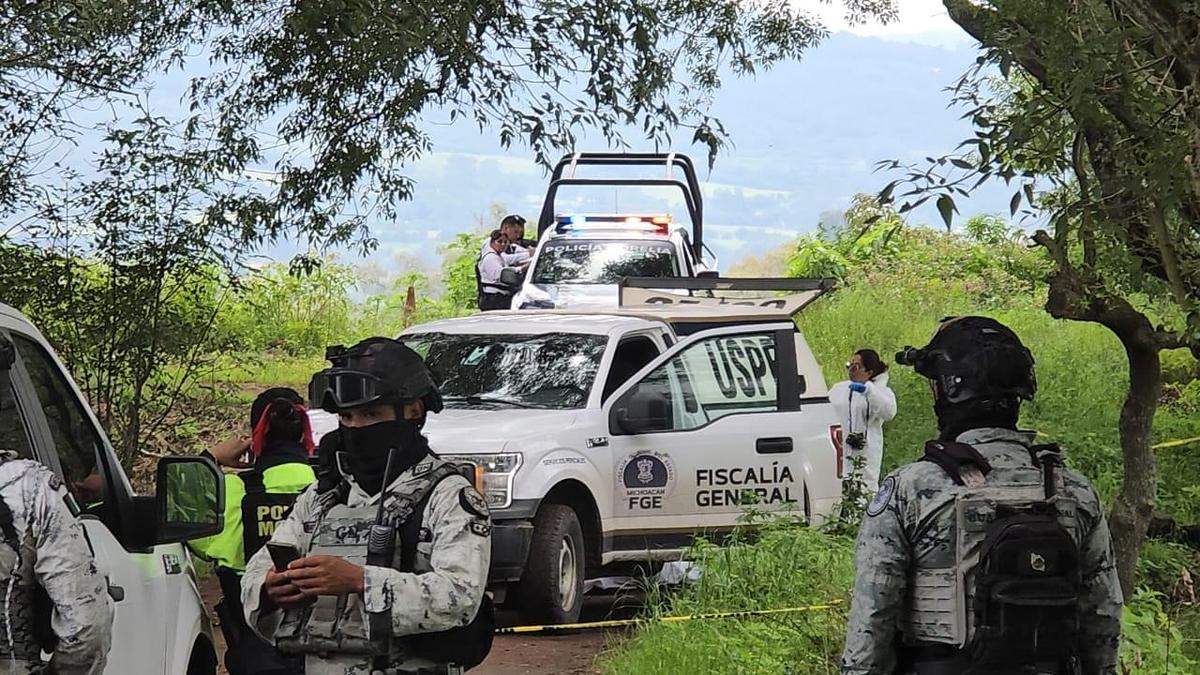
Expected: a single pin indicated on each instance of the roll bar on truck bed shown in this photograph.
(564, 175)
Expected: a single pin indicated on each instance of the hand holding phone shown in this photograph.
(282, 555)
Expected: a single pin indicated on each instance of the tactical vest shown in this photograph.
(1011, 598)
(341, 625)
(262, 511)
(28, 627)
(490, 300)
(334, 623)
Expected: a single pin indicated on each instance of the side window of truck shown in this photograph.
(725, 375)
(14, 435)
(75, 438)
(631, 355)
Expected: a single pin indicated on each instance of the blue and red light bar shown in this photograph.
(642, 223)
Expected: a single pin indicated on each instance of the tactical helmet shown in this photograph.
(375, 370)
(974, 357)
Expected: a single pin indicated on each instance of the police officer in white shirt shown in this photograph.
(492, 294)
(519, 250)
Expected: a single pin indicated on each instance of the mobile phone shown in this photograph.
(282, 555)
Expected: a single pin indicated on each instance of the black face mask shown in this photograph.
(367, 448)
(955, 419)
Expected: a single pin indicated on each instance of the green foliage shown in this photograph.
(459, 258)
(134, 334)
(1166, 568)
(989, 263)
(852, 507)
(774, 572)
(1151, 643)
(295, 313)
(57, 56)
(143, 339)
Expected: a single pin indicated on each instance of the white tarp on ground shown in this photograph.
(671, 574)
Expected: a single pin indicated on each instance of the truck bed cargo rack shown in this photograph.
(689, 186)
(781, 294)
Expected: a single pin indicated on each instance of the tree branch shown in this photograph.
(1087, 235)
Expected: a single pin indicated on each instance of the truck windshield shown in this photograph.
(550, 370)
(581, 261)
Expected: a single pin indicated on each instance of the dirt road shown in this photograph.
(521, 654)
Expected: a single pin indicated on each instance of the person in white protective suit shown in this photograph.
(863, 403)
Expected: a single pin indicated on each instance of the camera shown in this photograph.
(857, 440)
(336, 354)
(909, 356)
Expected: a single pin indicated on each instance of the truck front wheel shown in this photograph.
(551, 588)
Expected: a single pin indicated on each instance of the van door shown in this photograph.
(65, 431)
(704, 431)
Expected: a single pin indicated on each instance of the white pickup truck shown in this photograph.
(160, 626)
(581, 257)
(619, 435)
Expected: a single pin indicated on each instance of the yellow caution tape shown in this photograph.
(618, 623)
(1159, 446)
(1175, 444)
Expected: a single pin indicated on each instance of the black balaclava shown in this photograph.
(954, 419)
(366, 449)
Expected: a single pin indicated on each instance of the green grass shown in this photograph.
(269, 369)
(788, 567)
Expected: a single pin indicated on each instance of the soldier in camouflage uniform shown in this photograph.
(44, 555)
(333, 605)
(919, 550)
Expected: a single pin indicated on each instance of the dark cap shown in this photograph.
(265, 399)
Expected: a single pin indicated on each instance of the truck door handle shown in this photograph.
(773, 446)
(115, 592)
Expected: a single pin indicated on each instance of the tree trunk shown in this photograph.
(1077, 298)
(1133, 508)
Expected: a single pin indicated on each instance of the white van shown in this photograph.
(618, 436)
(160, 626)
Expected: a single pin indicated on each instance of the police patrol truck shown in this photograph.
(618, 435)
(160, 624)
(581, 257)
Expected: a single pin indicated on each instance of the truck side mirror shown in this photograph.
(510, 277)
(641, 411)
(190, 499)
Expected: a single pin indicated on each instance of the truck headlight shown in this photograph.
(493, 475)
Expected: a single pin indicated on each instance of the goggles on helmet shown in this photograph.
(336, 389)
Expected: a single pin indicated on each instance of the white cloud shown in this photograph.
(921, 21)
(741, 231)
